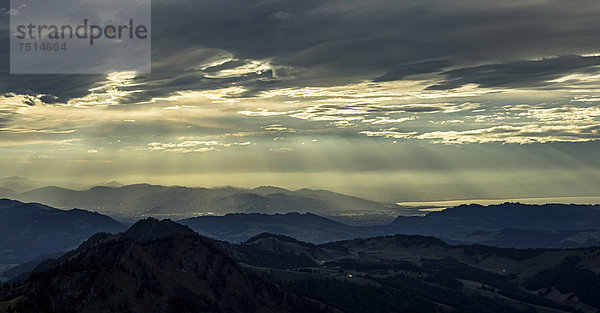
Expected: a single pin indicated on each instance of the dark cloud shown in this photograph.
(414, 69)
(58, 87)
(153, 87)
(421, 109)
(225, 66)
(518, 74)
(350, 36)
(324, 43)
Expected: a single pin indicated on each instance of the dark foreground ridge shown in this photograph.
(156, 266)
(162, 266)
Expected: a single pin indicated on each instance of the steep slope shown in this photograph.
(30, 229)
(307, 227)
(153, 267)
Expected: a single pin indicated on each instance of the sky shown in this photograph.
(391, 100)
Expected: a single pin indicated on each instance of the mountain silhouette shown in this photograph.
(474, 217)
(155, 266)
(134, 201)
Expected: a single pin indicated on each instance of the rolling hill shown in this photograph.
(467, 278)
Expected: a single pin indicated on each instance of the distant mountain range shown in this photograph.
(316, 229)
(507, 225)
(16, 184)
(29, 230)
(474, 217)
(162, 266)
(32, 229)
(134, 201)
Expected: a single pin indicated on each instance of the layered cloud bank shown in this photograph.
(329, 88)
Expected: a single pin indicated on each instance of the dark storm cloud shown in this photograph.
(225, 66)
(192, 81)
(353, 36)
(328, 43)
(58, 87)
(519, 73)
(336, 42)
(414, 69)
